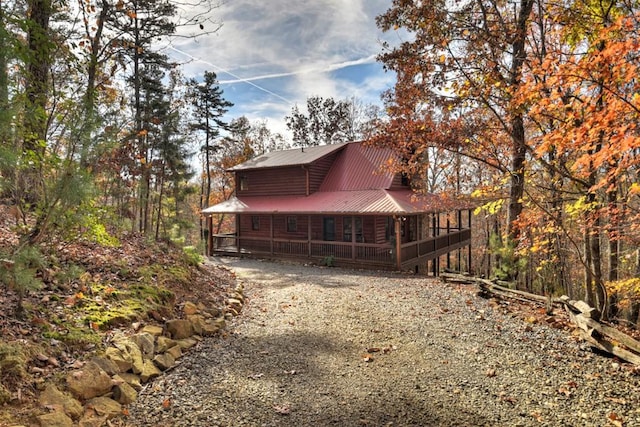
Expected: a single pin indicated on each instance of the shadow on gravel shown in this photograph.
(302, 378)
(270, 273)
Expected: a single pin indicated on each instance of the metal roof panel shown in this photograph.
(292, 157)
(334, 202)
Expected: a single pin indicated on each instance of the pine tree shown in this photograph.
(209, 108)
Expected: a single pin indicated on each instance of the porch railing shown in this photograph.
(383, 254)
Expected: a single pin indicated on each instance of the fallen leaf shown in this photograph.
(537, 416)
(615, 419)
(367, 357)
(282, 409)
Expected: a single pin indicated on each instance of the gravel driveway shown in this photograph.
(330, 347)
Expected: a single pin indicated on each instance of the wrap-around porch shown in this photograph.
(421, 243)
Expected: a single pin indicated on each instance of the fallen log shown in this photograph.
(492, 288)
(589, 325)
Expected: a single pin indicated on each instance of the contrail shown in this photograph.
(238, 78)
(328, 68)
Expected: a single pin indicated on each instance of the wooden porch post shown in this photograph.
(397, 231)
(309, 236)
(469, 256)
(210, 235)
(438, 257)
(353, 237)
(448, 238)
(271, 234)
(459, 266)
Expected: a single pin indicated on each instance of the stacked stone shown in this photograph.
(105, 384)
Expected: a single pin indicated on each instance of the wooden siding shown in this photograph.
(280, 227)
(274, 182)
(318, 171)
(397, 182)
(381, 229)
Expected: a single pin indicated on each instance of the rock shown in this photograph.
(131, 351)
(107, 365)
(89, 382)
(55, 419)
(164, 343)
(213, 311)
(179, 328)
(197, 323)
(190, 309)
(175, 352)
(91, 420)
(235, 304)
(164, 361)
(220, 322)
(104, 406)
(120, 358)
(209, 328)
(149, 371)
(154, 330)
(146, 344)
(51, 397)
(187, 343)
(132, 379)
(124, 394)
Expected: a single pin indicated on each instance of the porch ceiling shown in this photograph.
(387, 202)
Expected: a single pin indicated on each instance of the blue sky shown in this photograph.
(272, 55)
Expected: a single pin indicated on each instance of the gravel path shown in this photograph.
(330, 347)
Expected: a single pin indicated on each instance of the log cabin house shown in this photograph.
(337, 205)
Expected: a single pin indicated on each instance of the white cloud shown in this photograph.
(270, 55)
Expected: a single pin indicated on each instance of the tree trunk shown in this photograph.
(30, 184)
(4, 75)
(519, 147)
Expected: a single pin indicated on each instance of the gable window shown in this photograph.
(244, 185)
(404, 180)
(255, 222)
(292, 224)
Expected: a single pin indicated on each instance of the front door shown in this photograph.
(329, 228)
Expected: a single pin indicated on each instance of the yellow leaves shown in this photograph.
(629, 287)
(491, 207)
(579, 207)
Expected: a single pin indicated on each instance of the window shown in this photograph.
(389, 229)
(244, 185)
(292, 224)
(329, 228)
(255, 222)
(347, 226)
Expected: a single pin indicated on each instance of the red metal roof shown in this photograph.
(355, 184)
(293, 157)
(378, 201)
(359, 167)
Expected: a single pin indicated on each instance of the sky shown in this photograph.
(272, 55)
